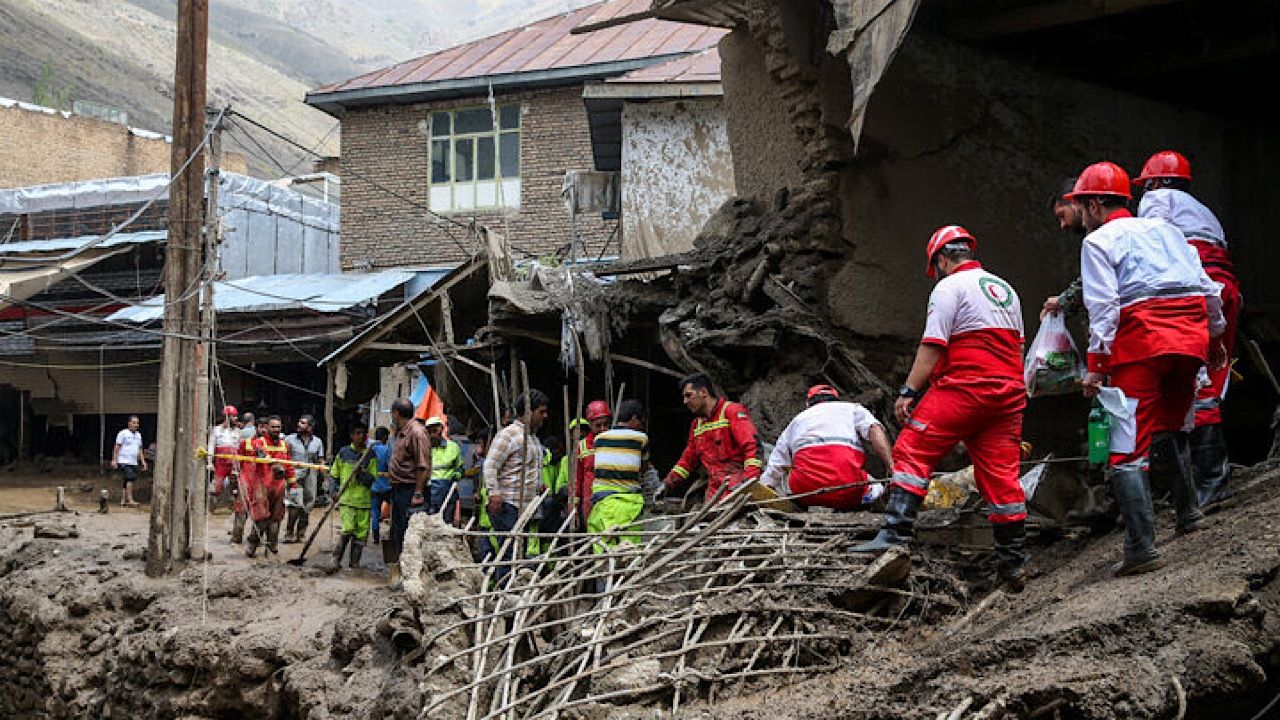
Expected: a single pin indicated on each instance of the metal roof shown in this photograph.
(700, 67)
(265, 293)
(546, 52)
(58, 244)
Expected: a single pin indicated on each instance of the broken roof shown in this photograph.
(544, 53)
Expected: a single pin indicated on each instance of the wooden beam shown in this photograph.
(428, 349)
(1043, 16)
(627, 359)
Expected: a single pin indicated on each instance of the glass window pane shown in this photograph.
(509, 117)
(440, 124)
(463, 166)
(472, 121)
(484, 157)
(439, 161)
(509, 154)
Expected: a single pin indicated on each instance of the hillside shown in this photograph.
(263, 54)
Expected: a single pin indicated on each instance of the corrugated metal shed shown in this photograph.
(542, 51)
(266, 293)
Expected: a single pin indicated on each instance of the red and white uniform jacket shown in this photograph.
(223, 440)
(823, 447)
(1198, 223)
(1146, 293)
(977, 318)
(724, 444)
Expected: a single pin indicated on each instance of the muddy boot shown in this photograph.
(338, 551)
(290, 528)
(1134, 498)
(1011, 540)
(899, 522)
(273, 535)
(300, 531)
(1209, 462)
(237, 529)
(357, 549)
(251, 547)
(1171, 463)
(391, 556)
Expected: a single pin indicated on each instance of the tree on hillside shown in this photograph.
(49, 93)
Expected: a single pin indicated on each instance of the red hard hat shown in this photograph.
(230, 410)
(1104, 178)
(1165, 164)
(597, 409)
(942, 237)
(817, 390)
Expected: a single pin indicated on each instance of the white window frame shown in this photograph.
(460, 196)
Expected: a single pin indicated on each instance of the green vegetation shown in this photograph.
(49, 93)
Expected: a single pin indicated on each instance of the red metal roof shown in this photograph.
(546, 45)
(700, 67)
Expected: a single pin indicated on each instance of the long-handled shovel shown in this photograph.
(302, 556)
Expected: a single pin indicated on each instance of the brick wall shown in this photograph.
(38, 147)
(390, 146)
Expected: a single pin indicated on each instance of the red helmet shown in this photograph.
(597, 409)
(1104, 178)
(942, 237)
(817, 390)
(230, 410)
(1165, 164)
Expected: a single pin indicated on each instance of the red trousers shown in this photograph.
(987, 417)
(222, 468)
(1209, 398)
(1165, 388)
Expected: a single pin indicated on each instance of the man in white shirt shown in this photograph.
(127, 457)
(224, 439)
(822, 448)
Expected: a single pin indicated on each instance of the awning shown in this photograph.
(24, 281)
(266, 293)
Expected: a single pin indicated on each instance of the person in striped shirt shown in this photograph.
(621, 456)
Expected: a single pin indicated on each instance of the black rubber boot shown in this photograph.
(1209, 462)
(237, 528)
(357, 549)
(338, 551)
(1011, 553)
(1170, 459)
(899, 528)
(1134, 497)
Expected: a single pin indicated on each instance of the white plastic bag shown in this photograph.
(1053, 365)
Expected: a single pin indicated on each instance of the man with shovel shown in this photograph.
(354, 469)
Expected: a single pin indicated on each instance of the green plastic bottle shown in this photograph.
(1099, 434)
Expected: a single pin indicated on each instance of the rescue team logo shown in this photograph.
(996, 291)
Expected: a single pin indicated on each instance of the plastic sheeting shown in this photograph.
(321, 293)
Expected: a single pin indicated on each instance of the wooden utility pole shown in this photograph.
(171, 527)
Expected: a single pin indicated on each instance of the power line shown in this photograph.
(403, 198)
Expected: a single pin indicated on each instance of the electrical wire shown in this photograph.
(54, 366)
(349, 171)
(278, 381)
(164, 191)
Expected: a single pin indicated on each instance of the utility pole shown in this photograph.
(171, 499)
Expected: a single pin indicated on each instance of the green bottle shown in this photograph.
(1099, 434)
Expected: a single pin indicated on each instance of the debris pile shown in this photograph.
(704, 609)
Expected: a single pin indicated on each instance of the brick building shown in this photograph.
(40, 145)
(428, 134)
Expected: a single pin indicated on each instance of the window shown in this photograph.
(475, 163)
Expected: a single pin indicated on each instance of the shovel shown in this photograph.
(302, 556)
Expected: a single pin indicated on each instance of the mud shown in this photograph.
(92, 637)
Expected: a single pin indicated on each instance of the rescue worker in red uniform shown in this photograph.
(1152, 314)
(722, 439)
(822, 449)
(971, 360)
(1166, 178)
(245, 471)
(599, 419)
(265, 488)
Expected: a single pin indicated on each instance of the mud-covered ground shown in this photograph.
(91, 636)
(1079, 643)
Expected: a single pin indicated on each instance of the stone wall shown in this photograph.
(389, 146)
